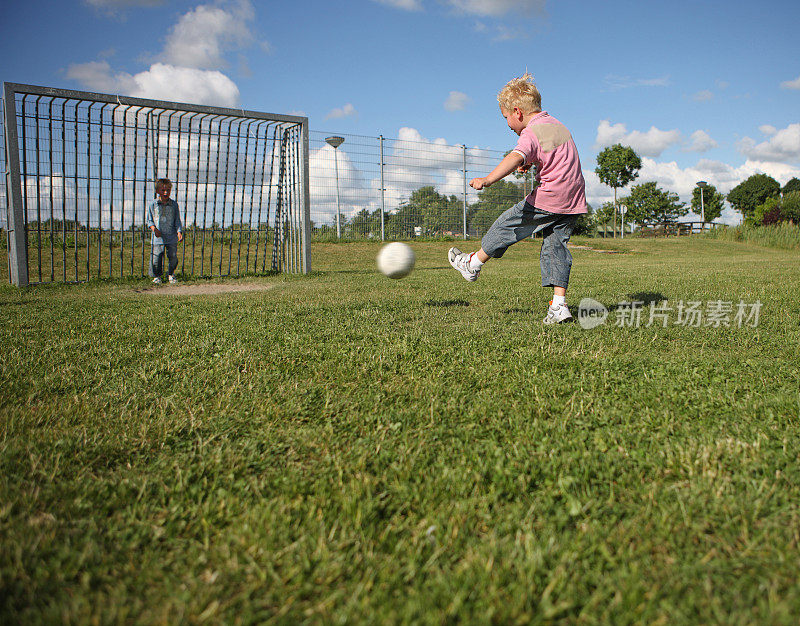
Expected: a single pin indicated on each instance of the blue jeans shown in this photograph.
(523, 220)
(157, 257)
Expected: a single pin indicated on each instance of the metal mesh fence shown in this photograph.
(85, 174)
(390, 189)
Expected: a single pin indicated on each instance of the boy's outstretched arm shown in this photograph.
(511, 162)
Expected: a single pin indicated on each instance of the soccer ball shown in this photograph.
(396, 260)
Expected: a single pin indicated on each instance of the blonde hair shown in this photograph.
(521, 93)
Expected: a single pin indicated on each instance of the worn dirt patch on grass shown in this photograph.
(208, 289)
(569, 245)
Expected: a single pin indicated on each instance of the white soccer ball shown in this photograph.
(396, 260)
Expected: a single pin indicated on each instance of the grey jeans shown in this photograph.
(523, 220)
(157, 257)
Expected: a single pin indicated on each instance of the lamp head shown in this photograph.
(334, 141)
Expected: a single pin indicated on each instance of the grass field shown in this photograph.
(342, 448)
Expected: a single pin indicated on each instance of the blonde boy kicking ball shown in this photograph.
(553, 206)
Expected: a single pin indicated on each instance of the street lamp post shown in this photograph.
(335, 142)
(622, 210)
(702, 185)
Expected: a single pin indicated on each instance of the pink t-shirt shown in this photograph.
(546, 143)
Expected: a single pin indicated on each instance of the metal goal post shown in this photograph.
(81, 170)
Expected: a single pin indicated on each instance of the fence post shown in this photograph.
(17, 250)
(305, 200)
(464, 157)
(383, 195)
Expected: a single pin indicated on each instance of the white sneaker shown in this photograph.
(460, 261)
(173, 280)
(157, 280)
(557, 314)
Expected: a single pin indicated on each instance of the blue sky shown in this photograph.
(702, 90)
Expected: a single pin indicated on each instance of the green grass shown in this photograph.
(343, 448)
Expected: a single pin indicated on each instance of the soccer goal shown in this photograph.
(81, 170)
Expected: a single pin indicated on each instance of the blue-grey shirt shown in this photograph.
(167, 218)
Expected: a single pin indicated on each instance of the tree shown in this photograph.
(617, 166)
(792, 185)
(585, 224)
(430, 210)
(756, 190)
(492, 201)
(604, 216)
(777, 210)
(649, 204)
(711, 204)
(790, 207)
(364, 224)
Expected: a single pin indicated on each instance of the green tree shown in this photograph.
(433, 212)
(792, 185)
(364, 224)
(711, 204)
(617, 166)
(756, 190)
(585, 224)
(647, 204)
(604, 214)
(790, 207)
(492, 201)
(776, 210)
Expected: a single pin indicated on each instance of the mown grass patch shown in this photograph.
(347, 448)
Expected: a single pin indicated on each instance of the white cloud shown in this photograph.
(348, 110)
(651, 143)
(187, 85)
(700, 141)
(497, 8)
(671, 177)
(97, 76)
(614, 82)
(703, 96)
(783, 146)
(406, 5)
(501, 32)
(202, 36)
(411, 161)
(506, 33)
(351, 191)
(791, 84)
(456, 101)
(187, 70)
(414, 161)
(160, 82)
